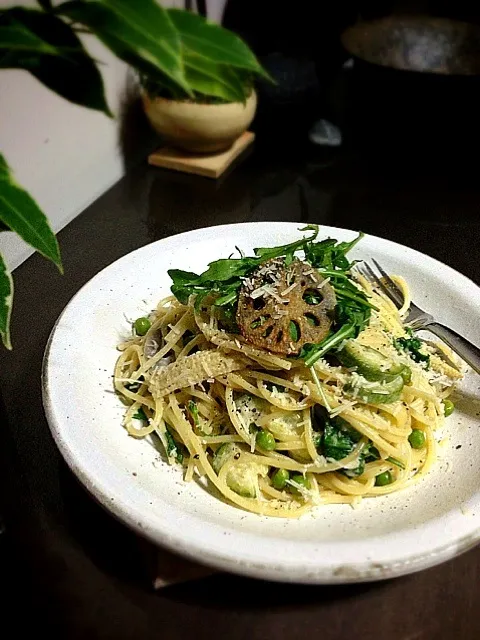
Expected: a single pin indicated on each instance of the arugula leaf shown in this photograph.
(330, 254)
(310, 353)
(183, 277)
(226, 269)
(223, 278)
(267, 253)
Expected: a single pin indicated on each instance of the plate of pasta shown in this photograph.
(244, 396)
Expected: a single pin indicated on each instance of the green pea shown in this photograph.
(383, 479)
(265, 440)
(417, 439)
(279, 478)
(301, 480)
(448, 407)
(142, 325)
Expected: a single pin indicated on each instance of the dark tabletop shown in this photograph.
(68, 566)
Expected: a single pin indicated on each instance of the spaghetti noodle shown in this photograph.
(273, 435)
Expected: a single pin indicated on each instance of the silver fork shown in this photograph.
(418, 319)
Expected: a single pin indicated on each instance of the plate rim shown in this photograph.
(360, 572)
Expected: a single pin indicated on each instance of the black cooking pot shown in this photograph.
(415, 88)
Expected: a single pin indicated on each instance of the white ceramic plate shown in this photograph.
(385, 537)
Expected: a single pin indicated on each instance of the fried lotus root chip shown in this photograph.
(281, 308)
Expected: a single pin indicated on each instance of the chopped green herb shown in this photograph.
(317, 440)
(369, 453)
(412, 346)
(193, 409)
(140, 415)
(173, 449)
(339, 440)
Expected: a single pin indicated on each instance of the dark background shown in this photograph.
(68, 568)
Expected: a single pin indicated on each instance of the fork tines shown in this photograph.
(384, 282)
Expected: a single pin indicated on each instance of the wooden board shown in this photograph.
(211, 166)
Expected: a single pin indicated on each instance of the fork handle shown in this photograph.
(465, 349)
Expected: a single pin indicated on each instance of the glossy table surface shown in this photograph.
(78, 572)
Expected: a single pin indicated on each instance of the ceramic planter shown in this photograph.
(199, 128)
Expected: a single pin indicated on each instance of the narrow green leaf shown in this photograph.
(212, 79)
(20, 212)
(140, 33)
(214, 42)
(17, 36)
(6, 299)
(72, 73)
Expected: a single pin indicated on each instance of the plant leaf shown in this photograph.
(6, 299)
(212, 79)
(20, 212)
(214, 42)
(71, 73)
(140, 33)
(17, 36)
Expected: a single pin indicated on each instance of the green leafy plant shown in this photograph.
(177, 54)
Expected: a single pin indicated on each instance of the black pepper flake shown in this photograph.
(459, 446)
(196, 456)
(236, 456)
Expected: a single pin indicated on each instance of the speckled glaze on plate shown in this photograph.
(424, 525)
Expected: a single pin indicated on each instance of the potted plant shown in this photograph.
(197, 86)
(204, 124)
(221, 101)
